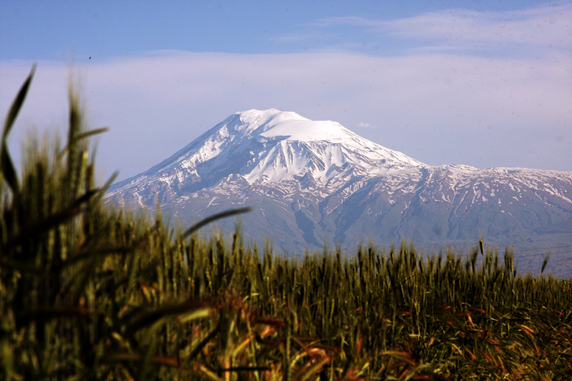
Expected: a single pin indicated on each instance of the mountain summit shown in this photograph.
(271, 147)
(311, 181)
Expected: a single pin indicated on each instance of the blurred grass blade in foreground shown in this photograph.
(6, 165)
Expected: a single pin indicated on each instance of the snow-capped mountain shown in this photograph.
(311, 181)
(272, 148)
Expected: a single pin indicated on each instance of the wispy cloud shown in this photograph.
(544, 27)
(365, 125)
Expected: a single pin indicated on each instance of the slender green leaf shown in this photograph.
(83, 135)
(215, 217)
(17, 104)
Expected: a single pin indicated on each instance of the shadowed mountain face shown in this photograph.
(315, 181)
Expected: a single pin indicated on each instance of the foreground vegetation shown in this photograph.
(90, 292)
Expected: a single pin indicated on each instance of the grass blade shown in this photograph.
(6, 165)
(215, 217)
(17, 104)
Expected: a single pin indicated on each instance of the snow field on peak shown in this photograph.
(273, 123)
(256, 118)
(306, 130)
(288, 145)
(290, 158)
(271, 146)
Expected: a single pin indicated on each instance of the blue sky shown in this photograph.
(482, 83)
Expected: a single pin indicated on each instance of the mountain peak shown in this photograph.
(259, 117)
(272, 146)
(288, 125)
(256, 121)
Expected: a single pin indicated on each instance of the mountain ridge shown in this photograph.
(312, 181)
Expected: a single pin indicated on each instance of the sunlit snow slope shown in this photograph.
(272, 146)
